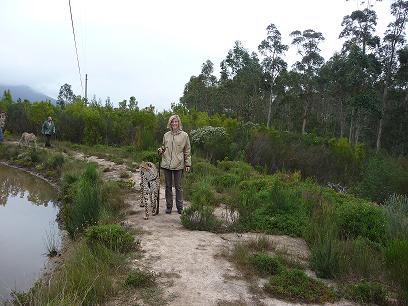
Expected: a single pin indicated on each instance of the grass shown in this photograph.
(366, 293)
(294, 285)
(266, 264)
(85, 278)
(285, 281)
(112, 236)
(140, 279)
(86, 204)
(51, 241)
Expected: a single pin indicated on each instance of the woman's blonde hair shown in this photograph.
(171, 119)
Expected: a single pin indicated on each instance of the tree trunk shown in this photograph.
(341, 119)
(357, 133)
(304, 120)
(381, 123)
(351, 126)
(271, 98)
(406, 99)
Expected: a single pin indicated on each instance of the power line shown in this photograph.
(76, 49)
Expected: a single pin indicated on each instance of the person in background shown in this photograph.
(48, 129)
(176, 157)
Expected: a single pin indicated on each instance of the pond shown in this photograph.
(28, 211)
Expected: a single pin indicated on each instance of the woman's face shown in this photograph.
(175, 124)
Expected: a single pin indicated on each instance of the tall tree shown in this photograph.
(307, 43)
(198, 92)
(359, 28)
(272, 49)
(241, 83)
(133, 103)
(65, 95)
(394, 38)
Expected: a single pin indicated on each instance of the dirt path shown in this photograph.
(188, 263)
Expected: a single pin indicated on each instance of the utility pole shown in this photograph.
(86, 88)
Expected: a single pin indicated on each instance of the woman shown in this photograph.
(176, 157)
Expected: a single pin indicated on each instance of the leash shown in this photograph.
(158, 192)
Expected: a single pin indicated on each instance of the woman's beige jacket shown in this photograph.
(177, 154)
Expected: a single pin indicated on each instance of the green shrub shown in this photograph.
(260, 244)
(87, 202)
(327, 161)
(200, 218)
(325, 257)
(35, 155)
(363, 219)
(294, 285)
(203, 194)
(68, 180)
(360, 258)
(266, 264)
(212, 142)
(241, 255)
(238, 168)
(396, 208)
(225, 181)
(149, 156)
(396, 256)
(56, 161)
(8, 152)
(267, 205)
(112, 198)
(322, 234)
(112, 236)
(346, 159)
(140, 279)
(367, 293)
(203, 168)
(381, 177)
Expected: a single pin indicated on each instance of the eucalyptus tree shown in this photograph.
(288, 89)
(333, 75)
(241, 84)
(237, 59)
(359, 28)
(307, 43)
(198, 92)
(393, 39)
(133, 103)
(65, 95)
(396, 124)
(402, 73)
(272, 49)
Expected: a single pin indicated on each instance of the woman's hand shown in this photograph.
(161, 150)
(187, 169)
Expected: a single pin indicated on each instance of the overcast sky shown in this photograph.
(149, 49)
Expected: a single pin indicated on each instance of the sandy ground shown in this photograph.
(189, 263)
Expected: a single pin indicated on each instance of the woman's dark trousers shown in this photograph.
(170, 177)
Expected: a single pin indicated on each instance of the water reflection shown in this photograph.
(19, 184)
(27, 214)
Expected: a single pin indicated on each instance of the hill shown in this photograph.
(25, 92)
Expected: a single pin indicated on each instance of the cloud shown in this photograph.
(147, 49)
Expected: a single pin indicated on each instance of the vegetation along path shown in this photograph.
(190, 264)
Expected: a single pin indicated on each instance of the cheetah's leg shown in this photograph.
(145, 190)
(151, 196)
(155, 193)
(142, 188)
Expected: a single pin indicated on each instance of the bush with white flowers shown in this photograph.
(212, 142)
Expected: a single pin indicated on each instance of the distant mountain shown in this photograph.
(25, 92)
